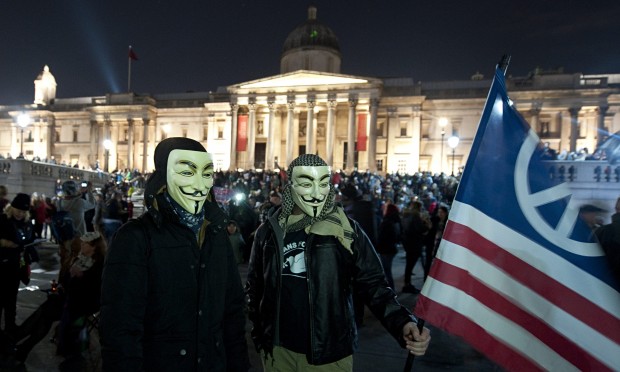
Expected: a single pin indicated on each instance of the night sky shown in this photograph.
(185, 45)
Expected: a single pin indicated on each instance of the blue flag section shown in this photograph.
(518, 274)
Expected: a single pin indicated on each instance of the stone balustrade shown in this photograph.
(21, 175)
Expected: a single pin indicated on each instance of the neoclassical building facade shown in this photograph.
(354, 122)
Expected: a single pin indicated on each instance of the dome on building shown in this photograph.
(311, 46)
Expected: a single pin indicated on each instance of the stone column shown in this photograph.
(415, 139)
(271, 142)
(130, 142)
(290, 121)
(574, 127)
(372, 135)
(92, 156)
(601, 132)
(535, 118)
(310, 129)
(234, 111)
(51, 137)
(145, 143)
(251, 135)
(329, 131)
(351, 135)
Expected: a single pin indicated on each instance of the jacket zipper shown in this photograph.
(310, 303)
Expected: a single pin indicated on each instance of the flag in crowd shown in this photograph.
(518, 274)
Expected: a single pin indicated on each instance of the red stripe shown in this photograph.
(453, 322)
(459, 278)
(546, 286)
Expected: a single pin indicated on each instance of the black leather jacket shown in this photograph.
(332, 274)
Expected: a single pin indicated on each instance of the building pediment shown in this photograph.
(303, 79)
(302, 82)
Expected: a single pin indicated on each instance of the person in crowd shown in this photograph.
(416, 224)
(38, 212)
(236, 240)
(15, 233)
(591, 215)
(112, 215)
(275, 198)
(389, 238)
(3, 197)
(442, 219)
(609, 238)
(50, 209)
(76, 205)
(70, 304)
(306, 262)
(98, 215)
(171, 297)
(365, 213)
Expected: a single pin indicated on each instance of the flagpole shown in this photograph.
(411, 357)
(129, 72)
(503, 63)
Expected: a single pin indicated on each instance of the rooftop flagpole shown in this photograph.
(131, 57)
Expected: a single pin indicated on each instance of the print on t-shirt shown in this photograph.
(294, 261)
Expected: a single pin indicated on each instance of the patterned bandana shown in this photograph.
(193, 221)
(295, 223)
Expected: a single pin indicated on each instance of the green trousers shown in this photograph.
(287, 361)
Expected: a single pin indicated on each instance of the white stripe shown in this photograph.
(498, 326)
(564, 323)
(539, 257)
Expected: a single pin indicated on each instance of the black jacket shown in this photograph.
(168, 304)
(331, 272)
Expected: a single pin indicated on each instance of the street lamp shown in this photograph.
(442, 123)
(107, 145)
(23, 120)
(453, 142)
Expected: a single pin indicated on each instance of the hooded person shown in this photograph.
(171, 293)
(16, 232)
(307, 260)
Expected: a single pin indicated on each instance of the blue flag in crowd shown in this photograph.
(518, 274)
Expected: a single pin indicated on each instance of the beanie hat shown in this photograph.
(157, 180)
(21, 202)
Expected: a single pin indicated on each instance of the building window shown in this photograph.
(75, 135)
(57, 136)
(126, 135)
(403, 129)
(379, 163)
(402, 166)
(164, 135)
(220, 131)
(184, 133)
(205, 132)
(381, 128)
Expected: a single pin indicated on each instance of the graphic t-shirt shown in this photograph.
(294, 305)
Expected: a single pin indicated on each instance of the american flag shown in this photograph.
(517, 274)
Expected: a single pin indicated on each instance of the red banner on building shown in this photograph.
(362, 135)
(242, 132)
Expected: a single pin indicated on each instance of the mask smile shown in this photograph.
(196, 193)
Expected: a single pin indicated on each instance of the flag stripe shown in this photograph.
(539, 257)
(488, 331)
(573, 328)
(463, 280)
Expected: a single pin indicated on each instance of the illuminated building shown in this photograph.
(380, 124)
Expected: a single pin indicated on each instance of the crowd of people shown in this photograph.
(150, 274)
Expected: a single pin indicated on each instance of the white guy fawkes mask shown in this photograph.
(311, 185)
(189, 178)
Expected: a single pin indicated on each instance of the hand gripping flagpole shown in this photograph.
(411, 357)
(502, 65)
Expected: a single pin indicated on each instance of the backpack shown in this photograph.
(62, 226)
